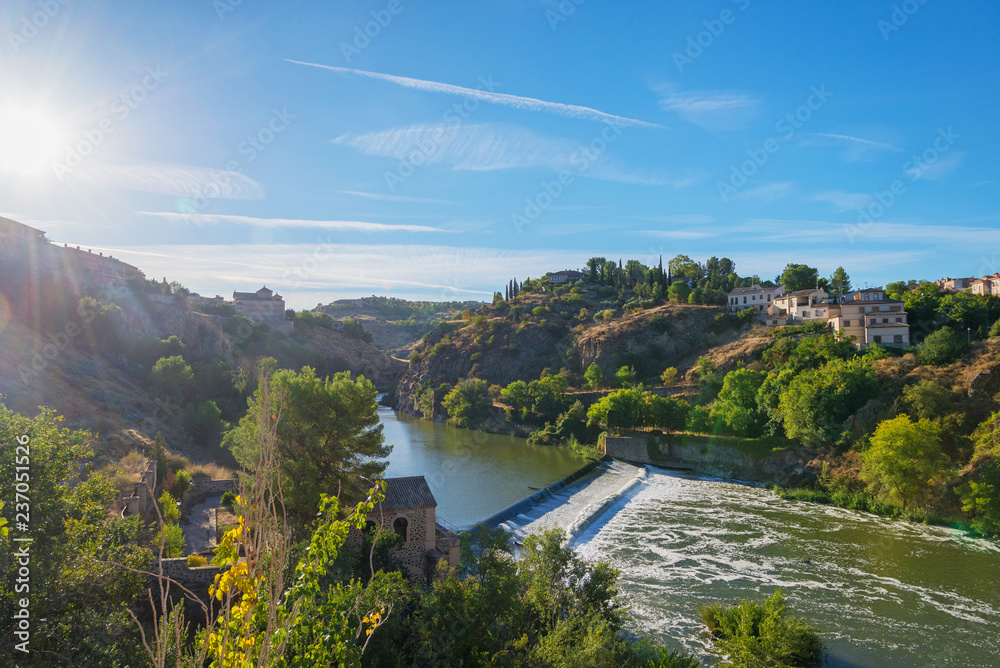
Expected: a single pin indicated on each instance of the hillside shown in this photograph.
(88, 348)
(556, 331)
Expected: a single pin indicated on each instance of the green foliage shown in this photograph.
(172, 377)
(817, 401)
(605, 315)
(699, 421)
(169, 509)
(228, 498)
(625, 377)
(704, 368)
(736, 406)
(159, 455)
(840, 283)
(798, 277)
(927, 399)
(594, 376)
(329, 435)
(353, 329)
(171, 536)
(754, 635)
(669, 376)
(679, 292)
(468, 404)
(981, 492)
(631, 408)
(203, 422)
(904, 460)
(196, 561)
(540, 311)
(182, 483)
(537, 402)
(941, 347)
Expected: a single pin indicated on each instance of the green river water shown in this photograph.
(881, 592)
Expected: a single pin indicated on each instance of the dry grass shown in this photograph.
(209, 472)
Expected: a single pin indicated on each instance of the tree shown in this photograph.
(594, 376)
(799, 277)
(204, 422)
(622, 409)
(736, 405)
(355, 330)
(664, 412)
(840, 283)
(669, 376)
(817, 401)
(468, 403)
(594, 267)
(329, 435)
(518, 398)
(981, 492)
(941, 347)
(625, 377)
(172, 377)
(904, 459)
(927, 399)
(679, 292)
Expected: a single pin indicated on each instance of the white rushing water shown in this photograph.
(881, 592)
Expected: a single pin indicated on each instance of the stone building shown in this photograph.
(259, 306)
(756, 297)
(871, 318)
(409, 510)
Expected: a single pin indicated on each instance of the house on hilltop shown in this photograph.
(756, 297)
(565, 276)
(259, 306)
(871, 318)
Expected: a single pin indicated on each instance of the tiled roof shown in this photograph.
(799, 293)
(410, 492)
(755, 288)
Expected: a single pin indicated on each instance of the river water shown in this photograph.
(881, 592)
(471, 474)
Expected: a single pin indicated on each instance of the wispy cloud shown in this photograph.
(855, 148)
(341, 225)
(938, 170)
(392, 198)
(507, 100)
(769, 192)
(844, 200)
(495, 146)
(712, 110)
(168, 179)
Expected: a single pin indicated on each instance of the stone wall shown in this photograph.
(177, 569)
(202, 489)
(706, 455)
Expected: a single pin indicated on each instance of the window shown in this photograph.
(753, 298)
(847, 323)
(769, 298)
(897, 338)
(399, 526)
(899, 320)
(877, 339)
(872, 322)
(885, 321)
(744, 300)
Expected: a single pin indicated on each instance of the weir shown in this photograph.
(573, 503)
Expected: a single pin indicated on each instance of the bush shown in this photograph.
(475, 357)
(182, 482)
(196, 561)
(594, 376)
(625, 377)
(228, 499)
(539, 311)
(173, 541)
(669, 375)
(168, 506)
(752, 634)
(605, 315)
(941, 347)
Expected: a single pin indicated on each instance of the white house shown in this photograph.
(756, 297)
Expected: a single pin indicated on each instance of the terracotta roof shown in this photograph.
(410, 492)
(755, 288)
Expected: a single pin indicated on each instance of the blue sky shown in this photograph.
(229, 145)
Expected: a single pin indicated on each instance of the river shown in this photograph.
(881, 592)
(471, 474)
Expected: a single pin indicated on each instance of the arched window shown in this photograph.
(370, 527)
(399, 526)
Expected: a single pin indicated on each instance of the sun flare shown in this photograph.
(29, 140)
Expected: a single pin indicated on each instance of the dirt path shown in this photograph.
(199, 535)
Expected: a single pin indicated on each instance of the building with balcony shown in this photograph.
(801, 306)
(870, 318)
(756, 297)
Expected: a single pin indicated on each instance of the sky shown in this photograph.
(436, 150)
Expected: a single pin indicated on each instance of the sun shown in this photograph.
(29, 140)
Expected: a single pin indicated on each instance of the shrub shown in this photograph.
(754, 634)
(669, 375)
(173, 541)
(415, 358)
(605, 315)
(228, 498)
(658, 323)
(539, 311)
(182, 482)
(941, 347)
(475, 357)
(594, 376)
(168, 506)
(196, 561)
(625, 377)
